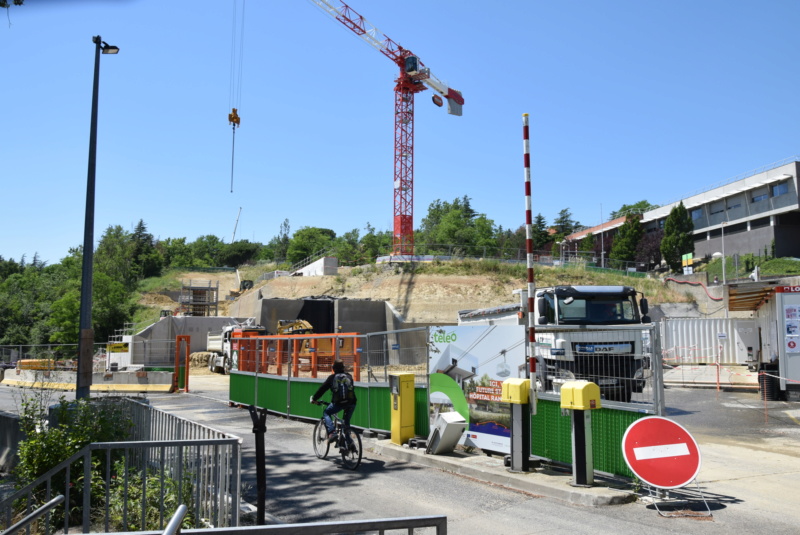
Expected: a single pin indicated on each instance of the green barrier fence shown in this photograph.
(551, 432)
(551, 436)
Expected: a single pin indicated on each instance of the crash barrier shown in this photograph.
(169, 460)
(415, 351)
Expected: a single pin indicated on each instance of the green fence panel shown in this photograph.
(551, 433)
(241, 389)
(610, 425)
(380, 408)
(551, 436)
(272, 393)
(421, 412)
(374, 409)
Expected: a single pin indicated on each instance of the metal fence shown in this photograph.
(136, 485)
(625, 362)
(371, 358)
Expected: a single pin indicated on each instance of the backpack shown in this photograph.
(343, 389)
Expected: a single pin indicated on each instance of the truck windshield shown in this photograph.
(597, 310)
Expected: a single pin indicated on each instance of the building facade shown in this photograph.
(757, 214)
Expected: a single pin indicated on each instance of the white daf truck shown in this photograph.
(582, 332)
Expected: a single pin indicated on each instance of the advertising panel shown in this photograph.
(470, 363)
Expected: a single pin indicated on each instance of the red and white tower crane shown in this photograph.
(414, 77)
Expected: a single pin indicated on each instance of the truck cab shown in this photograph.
(589, 305)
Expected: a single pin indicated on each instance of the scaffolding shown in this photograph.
(199, 298)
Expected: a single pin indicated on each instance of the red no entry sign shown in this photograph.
(661, 453)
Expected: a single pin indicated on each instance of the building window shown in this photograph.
(760, 196)
(734, 203)
(780, 189)
(717, 208)
(696, 214)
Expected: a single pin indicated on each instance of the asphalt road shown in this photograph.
(302, 488)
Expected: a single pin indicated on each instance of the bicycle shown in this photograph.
(351, 454)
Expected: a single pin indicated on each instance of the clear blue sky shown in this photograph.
(628, 100)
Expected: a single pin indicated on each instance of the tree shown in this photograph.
(637, 208)
(627, 240)
(677, 239)
(539, 235)
(347, 249)
(147, 260)
(458, 224)
(373, 244)
(649, 250)
(176, 252)
(239, 253)
(8, 268)
(564, 224)
(587, 243)
(309, 241)
(114, 256)
(207, 251)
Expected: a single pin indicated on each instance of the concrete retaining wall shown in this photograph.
(324, 266)
(360, 316)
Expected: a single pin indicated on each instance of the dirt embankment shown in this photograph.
(418, 298)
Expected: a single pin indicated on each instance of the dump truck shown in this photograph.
(584, 332)
(224, 348)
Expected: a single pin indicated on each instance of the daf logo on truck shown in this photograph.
(607, 348)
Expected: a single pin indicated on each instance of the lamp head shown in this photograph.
(109, 49)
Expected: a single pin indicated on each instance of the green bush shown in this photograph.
(159, 490)
(53, 434)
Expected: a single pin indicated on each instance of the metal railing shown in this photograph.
(170, 460)
(26, 522)
(381, 526)
(174, 525)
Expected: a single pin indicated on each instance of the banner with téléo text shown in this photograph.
(478, 359)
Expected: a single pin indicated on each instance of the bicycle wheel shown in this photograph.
(320, 439)
(351, 457)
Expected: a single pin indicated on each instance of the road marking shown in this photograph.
(659, 452)
(791, 414)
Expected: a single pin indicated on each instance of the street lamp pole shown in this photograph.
(86, 340)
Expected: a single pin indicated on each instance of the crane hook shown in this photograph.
(233, 117)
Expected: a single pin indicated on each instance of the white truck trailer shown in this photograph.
(583, 332)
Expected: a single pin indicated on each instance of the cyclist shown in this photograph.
(340, 383)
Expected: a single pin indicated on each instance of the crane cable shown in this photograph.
(235, 88)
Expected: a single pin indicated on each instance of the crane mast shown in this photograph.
(414, 77)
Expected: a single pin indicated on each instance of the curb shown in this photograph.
(492, 470)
